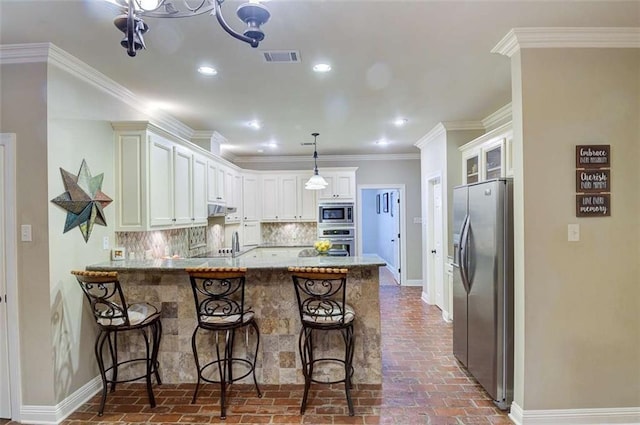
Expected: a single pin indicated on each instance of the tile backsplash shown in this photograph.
(289, 233)
(194, 241)
(186, 242)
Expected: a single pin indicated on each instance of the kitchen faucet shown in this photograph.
(235, 244)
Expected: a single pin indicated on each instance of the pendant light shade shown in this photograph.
(316, 182)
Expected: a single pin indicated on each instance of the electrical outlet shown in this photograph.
(105, 242)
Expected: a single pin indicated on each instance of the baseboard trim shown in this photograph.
(424, 297)
(45, 415)
(606, 416)
(413, 282)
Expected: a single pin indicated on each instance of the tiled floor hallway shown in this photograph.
(422, 384)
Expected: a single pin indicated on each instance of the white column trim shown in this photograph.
(567, 37)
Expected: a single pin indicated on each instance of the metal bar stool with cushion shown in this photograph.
(219, 295)
(321, 297)
(113, 315)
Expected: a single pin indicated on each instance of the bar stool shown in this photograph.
(113, 315)
(321, 296)
(218, 293)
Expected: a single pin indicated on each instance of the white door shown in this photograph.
(5, 399)
(436, 250)
(394, 210)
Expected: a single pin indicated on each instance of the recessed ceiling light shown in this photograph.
(382, 142)
(322, 67)
(272, 145)
(260, 150)
(207, 70)
(399, 122)
(254, 124)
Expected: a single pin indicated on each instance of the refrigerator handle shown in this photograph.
(463, 253)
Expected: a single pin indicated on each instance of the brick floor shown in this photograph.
(422, 384)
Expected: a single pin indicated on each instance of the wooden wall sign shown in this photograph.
(593, 180)
(593, 156)
(593, 205)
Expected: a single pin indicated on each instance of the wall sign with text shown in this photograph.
(593, 180)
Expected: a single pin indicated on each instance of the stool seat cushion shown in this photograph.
(320, 314)
(224, 319)
(139, 313)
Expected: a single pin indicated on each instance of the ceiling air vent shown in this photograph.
(281, 56)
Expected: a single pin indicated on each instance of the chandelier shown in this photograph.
(316, 182)
(131, 24)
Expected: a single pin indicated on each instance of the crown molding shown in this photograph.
(326, 158)
(444, 126)
(52, 54)
(498, 117)
(567, 37)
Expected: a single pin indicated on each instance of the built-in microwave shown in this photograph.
(335, 213)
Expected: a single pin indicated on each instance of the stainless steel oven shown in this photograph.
(335, 213)
(342, 240)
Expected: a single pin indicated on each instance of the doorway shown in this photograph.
(380, 227)
(9, 341)
(435, 282)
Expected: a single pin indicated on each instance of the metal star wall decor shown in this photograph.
(83, 200)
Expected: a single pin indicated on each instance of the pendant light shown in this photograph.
(316, 182)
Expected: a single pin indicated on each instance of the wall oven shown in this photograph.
(342, 240)
(335, 214)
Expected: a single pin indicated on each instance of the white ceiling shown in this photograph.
(428, 61)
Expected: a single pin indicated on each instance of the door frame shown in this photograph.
(8, 140)
(401, 188)
(429, 286)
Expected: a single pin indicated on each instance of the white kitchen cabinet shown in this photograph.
(233, 194)
(341, 186)
(215, 182)
(250, 197)
(284, 198)
(288, 197)
(182, 185)
(251, 233)
(307, 203)
(160, 181)
(488, 156)
(199, 190)
(270, 208)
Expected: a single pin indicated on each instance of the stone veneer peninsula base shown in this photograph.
(270, 293)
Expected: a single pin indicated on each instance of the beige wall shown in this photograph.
(79, 117)
(24, 97)
(372, 172)
(58, 120)
(581, 315)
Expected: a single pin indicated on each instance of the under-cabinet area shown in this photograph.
(489, 156)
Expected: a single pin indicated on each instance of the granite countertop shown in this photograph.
(176, 264)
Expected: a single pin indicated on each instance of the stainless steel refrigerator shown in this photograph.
(483, 284)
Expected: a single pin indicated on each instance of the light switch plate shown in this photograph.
(573, 232)
(105, 242)
(25, 233)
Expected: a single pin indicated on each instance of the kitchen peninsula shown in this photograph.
(270, 293)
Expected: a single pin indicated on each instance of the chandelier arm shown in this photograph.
(252, 41)
(131, 50)
(194, 10)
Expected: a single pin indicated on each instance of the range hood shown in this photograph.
(219, 210)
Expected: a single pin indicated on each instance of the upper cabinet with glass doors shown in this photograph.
(488, 156)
